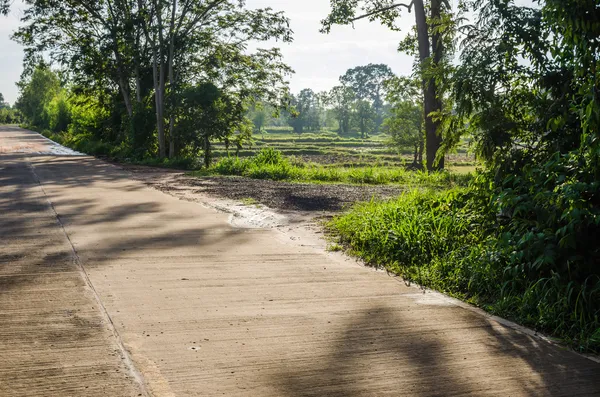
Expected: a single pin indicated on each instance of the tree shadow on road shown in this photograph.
(32, 231)
(382, 351)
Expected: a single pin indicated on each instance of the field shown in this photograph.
(330, 149)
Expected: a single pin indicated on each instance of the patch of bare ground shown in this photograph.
(284, 196)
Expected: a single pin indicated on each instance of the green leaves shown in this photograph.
(344, 12)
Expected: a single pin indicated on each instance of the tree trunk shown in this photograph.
(207, 152)
(437, 46)
(172, 80)
(160, 128)
(123, 83)
(138, 85)
(138, 82)
(161, 85)
(430, 100)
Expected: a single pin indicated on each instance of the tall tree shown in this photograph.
(157, 48)
(307, 112)
(37, 91)
(368, 82)
(85, 37)
(184, 36)
(341, 98)
(406, 121)
(365, 115)
(430, 49)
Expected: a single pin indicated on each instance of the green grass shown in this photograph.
(271, 164)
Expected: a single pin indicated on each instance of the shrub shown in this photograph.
(268, 156)
(277, 172)
(231, 166)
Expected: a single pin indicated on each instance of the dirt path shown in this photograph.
(205, 309)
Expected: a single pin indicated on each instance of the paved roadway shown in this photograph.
(111, 288)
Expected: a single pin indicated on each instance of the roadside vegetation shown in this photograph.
(519, 237)
(522, 239)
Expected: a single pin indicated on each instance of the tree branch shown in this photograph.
(408, 7)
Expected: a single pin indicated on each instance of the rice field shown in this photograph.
(328, 148)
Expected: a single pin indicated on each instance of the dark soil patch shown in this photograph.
(273, 194)
(291, 196)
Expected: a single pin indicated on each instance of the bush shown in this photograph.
(59, 113)
(268, 156)
(231, 166)
(276, 172)
(180, 163)
(270, 163)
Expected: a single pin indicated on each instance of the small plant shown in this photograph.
(249, 201)
(334, 247)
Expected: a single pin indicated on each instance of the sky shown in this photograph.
(318, 59)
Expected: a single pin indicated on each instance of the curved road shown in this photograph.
(111, 288)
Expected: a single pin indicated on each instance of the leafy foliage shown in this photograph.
(529, 225)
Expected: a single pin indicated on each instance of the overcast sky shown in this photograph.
(318, 59)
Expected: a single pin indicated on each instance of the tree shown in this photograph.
(406, 121)
(2, 103)
(37, 92)
(260, 115)
(364, 115)
(307, 112)
(430, 45)
(208, 113)
(341, 98)
(152, 49)
(368, 82)
(405, 127)
(175, 33)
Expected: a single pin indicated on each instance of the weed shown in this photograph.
(249, 201)
(334, 247)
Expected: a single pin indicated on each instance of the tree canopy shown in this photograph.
(147, 55)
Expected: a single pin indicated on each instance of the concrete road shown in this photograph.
(109, 287)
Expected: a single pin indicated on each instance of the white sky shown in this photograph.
(318, 59)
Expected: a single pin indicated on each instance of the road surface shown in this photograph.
(111, 288)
